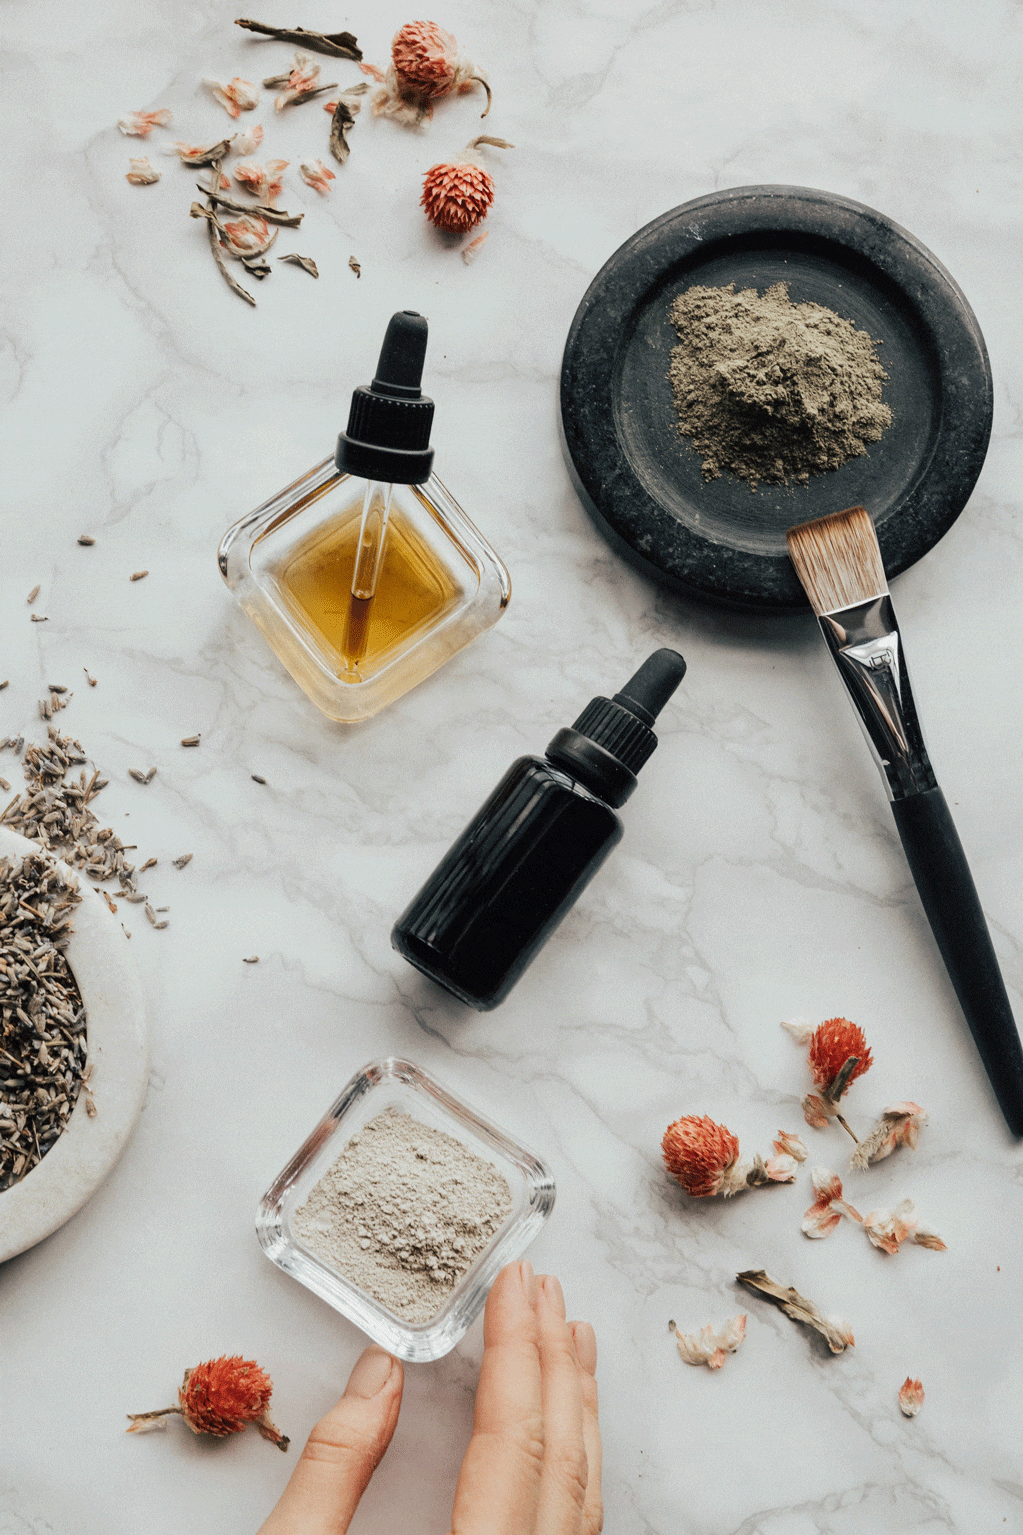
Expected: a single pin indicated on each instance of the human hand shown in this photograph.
(533, 1463)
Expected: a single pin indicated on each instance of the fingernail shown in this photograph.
(528, 1281)
(371, 1373)
(554, 1293)
(585, 1346)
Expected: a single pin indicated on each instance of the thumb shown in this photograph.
(343, 1451)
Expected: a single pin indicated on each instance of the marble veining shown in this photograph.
(760, 876)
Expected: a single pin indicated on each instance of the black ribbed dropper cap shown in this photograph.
(612, 738)
(388, 434)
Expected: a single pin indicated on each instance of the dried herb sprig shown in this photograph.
(338, 45)
(257, 210)
(837, 1335)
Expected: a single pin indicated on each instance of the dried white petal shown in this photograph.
(790, 1144)
(139, 125)
(143, 173)
(801, 1029)
(911, 1397)
(829, 1207)
(709, 1347)
(316, 175)
(236, 96)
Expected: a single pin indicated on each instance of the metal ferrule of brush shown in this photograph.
(867, 648)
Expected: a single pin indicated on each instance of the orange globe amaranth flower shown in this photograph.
(831, 1045)
(426, 57)
(220, 1396)
(457, 197)
(699, 1152)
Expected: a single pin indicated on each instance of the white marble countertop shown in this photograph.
(760, 876)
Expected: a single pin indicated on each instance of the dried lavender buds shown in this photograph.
(42, 1019)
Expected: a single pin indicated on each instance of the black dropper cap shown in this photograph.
(388, 436)
(612, 738)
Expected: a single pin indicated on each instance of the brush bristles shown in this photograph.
(838, 560)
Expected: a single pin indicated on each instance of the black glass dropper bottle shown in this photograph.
(522, 861)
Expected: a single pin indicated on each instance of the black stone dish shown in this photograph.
(642, 480)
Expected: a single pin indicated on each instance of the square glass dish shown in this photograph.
(290, 563)
(399, 1084)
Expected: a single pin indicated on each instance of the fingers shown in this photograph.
(564, 1478)
(343, 1451)
(499, 1485)
(585, 1340)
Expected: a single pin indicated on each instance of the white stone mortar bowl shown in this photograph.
(117, 1039)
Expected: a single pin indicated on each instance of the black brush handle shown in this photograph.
(938, 865)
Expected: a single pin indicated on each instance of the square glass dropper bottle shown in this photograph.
(365, 575)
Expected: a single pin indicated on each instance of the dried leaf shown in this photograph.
(836, 1334)
(356, 268)
(258, 210)
(338, 45)
(345, 109)
(305, 262)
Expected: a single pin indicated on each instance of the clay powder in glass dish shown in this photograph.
(402, 1206)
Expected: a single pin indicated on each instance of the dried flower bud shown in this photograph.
(425, 65)
(315, 174)
(139, 125)
(829, 1207)
(143, 173)
(899, 1125)
(458, 196)
(790, 1144)
(911, 1397)
(220, 1397)
(236, 97)
(709, 1347)
(888, 1229)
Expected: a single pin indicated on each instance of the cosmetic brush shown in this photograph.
(838, 561)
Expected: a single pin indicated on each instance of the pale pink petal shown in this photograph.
(790, 1144)
(247, 235)
(373, 72)
(248, 142)
(801, 1029)
(303, 77)
(472, 250)
(143, 173)
(250, 175)
(817, 1111)
(709, 1347)
(781, 1169)
(888, 1229)
(139, 125)
(911, 1397)
(820, 1220)
(236, 97)
(316, 174)
(824, 1214)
